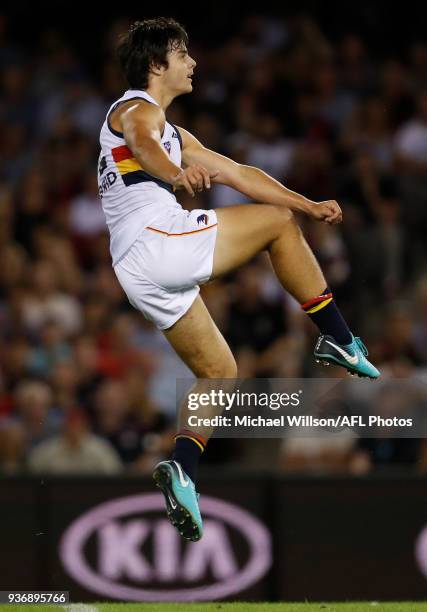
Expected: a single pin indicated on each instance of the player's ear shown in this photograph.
(157, 69)
(154, 69)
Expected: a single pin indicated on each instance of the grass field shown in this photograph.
(363, 606)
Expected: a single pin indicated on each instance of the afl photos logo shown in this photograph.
(126, 549)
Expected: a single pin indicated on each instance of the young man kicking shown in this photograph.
(162, 253)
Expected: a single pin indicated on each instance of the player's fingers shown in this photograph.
(200, 178)
(329, 211)
(206, 178)
(325, 211)
(196, 179)
(187, 185)
(206, 182)
(331, 204)
(333, 211)
(335, 207)
(333, 215)
(334, 219)
(337, 211)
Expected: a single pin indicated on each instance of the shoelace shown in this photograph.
(362, 347)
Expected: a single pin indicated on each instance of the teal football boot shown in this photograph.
(350, 356)
(181, 498)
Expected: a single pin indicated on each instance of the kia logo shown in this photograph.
(117, 531)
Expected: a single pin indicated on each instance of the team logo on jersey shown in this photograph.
(167, 146)
(203, 219)
(174, 135)
(102, 165)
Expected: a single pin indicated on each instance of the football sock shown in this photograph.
(324, 313)
(188, 448)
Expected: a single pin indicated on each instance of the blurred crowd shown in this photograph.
(86, 384)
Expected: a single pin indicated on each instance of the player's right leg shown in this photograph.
(245, 230)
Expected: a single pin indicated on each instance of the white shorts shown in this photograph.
(162, 270)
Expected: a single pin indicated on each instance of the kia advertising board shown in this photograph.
(122, 570)
(124, 548)
(266, 538)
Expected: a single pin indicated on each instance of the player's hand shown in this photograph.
(328, 211)
(194, 178)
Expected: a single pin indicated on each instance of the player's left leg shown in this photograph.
(245, 230)
(199, 343)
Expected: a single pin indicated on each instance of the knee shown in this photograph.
(282, 221)
(283, 216)
(221, 369)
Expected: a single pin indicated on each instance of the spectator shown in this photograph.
(35, 411)
(74, 451)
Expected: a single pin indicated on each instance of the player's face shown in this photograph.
(179, 73)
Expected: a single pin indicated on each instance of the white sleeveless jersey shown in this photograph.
(132, 198)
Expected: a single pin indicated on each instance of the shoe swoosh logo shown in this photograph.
(353, 359)
(172, 503)
(182, 480)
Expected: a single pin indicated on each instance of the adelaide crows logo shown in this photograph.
(203, 219)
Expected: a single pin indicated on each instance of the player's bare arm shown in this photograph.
(142, 125)
(253, 182)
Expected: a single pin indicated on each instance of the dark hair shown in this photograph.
(147, 43)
